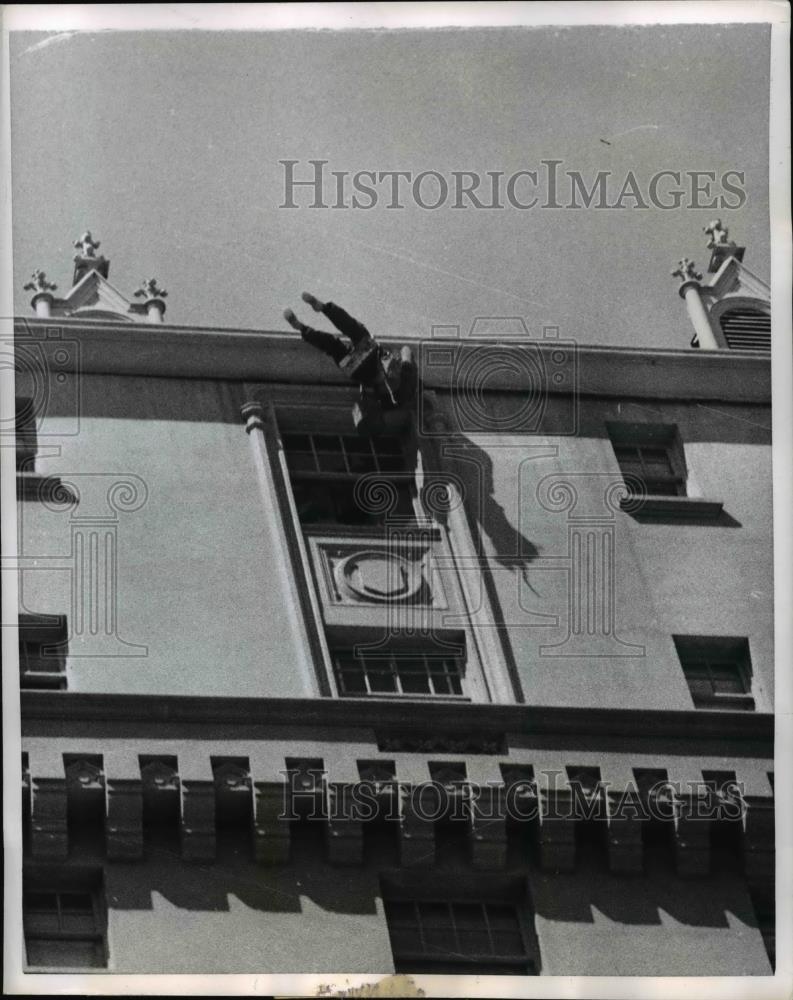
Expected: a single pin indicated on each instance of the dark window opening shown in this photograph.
(325, 468)
(650, 458)
(459, 936)
(65, 925)
(42, 652)
(718, 671)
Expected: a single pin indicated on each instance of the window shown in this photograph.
(324, 469)
(397, 673)
(462, 936)
(42, 652)
(65, 925)
(651, 455)
(718, 671)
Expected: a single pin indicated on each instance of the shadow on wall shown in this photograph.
(474, 467)
(575, 897)
(580, 896)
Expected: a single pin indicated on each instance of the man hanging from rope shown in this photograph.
(387, 382)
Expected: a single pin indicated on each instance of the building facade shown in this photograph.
(489, 692)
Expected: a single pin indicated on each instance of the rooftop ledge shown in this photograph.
(735, 733)
(271, 356)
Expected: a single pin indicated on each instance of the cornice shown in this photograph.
(164, 350)
(743, 732)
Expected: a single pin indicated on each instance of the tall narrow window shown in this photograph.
(718, 671)
(459, 936)
(324, 470)
(64, 924)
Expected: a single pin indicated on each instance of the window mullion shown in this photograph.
(314, 452)
(490, 936)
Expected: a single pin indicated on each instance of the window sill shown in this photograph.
(413, 696)
(680, 508)
(726, 703)
(414, 530)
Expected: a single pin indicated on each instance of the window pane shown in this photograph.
(505, 927)
(403, 927)
(438, 933)
(315, 503)
(413, 675)
(381, 678)
(358, 445)
(347, 510)
(297, 442)
(472, 929)
(327, 443)
(700, 688)
(351, 681)
(45, 922)
(362, 463)
(40, 902)
(388, 446)
(78, 923)
(64, 954)
(445, 677)
(301, 461)
(76, 902)
(657, 458)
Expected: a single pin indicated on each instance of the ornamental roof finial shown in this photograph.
(86, 259)
(87, 245)
(718, 235)
(149, 289)
(39, 283)
(686, 271)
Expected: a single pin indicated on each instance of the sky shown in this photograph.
(166, 145)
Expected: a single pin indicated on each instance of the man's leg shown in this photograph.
(328, 343)
(341, 319)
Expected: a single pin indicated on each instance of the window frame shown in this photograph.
(707, 653)
(403, 481)
(89, 883)
(390, 657)
(461, 960)
(659, 437)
